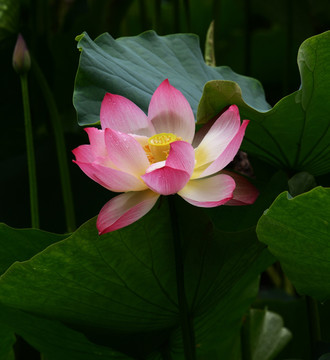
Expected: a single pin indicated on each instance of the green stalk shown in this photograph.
(245, 342)
(60, 148)
(247, 37)
(314, 325)
(187, 328)
(187, 14)
(30, 153)
(274, 276)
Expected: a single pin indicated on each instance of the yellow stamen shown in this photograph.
(158, 146)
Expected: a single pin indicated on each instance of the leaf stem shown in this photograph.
(247, 37)
(30, 153)
(314, 325)
(274, 276)
(60, 147)
(245, 344)
(187, 328)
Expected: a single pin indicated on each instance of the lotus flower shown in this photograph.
(159, 154)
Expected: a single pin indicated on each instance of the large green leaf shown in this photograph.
(7, 340)
(225, 292)
(297, 232)
(135, 66)
(295, 134)
(49, 337)
(19, 245)
(120, 288)
(53, 339)
(218, 329)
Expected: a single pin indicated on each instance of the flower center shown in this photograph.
(159, 146)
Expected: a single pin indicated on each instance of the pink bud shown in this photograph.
(21, 56)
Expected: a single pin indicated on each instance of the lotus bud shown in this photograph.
(21, 56)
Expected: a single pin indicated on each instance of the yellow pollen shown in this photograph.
(158, 146)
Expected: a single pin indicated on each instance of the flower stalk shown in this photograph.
(22, 64)
(60, 147)
(314, 325)
(187, 328)
(30, 153)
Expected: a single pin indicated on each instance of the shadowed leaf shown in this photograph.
(120, 288)
(135, 66)
(295, 134)
(297, 233)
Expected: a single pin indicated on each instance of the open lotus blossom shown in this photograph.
(148, 156)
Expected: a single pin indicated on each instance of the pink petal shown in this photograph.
(96, 152)
(126, 152)
(228, 154)
(125, 209)
(98, 148)
(181, 156)
(121, 114)
(166, 181)
(111, 179)
(96, 139)
(170, 176)
(170, 112)
(218, 137)
(209, 192)
(84, 153)
(245, 193)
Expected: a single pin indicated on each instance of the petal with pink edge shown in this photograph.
(228, 154)
(218, 137)
(209, 192)
(170, 112)
(170, 176)
(126, 152)
(125, 209)
(181, 156)
(121, 114)
(97, 148)
(111, 179)
(96, 139)
(84, 153)
(245, 193)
